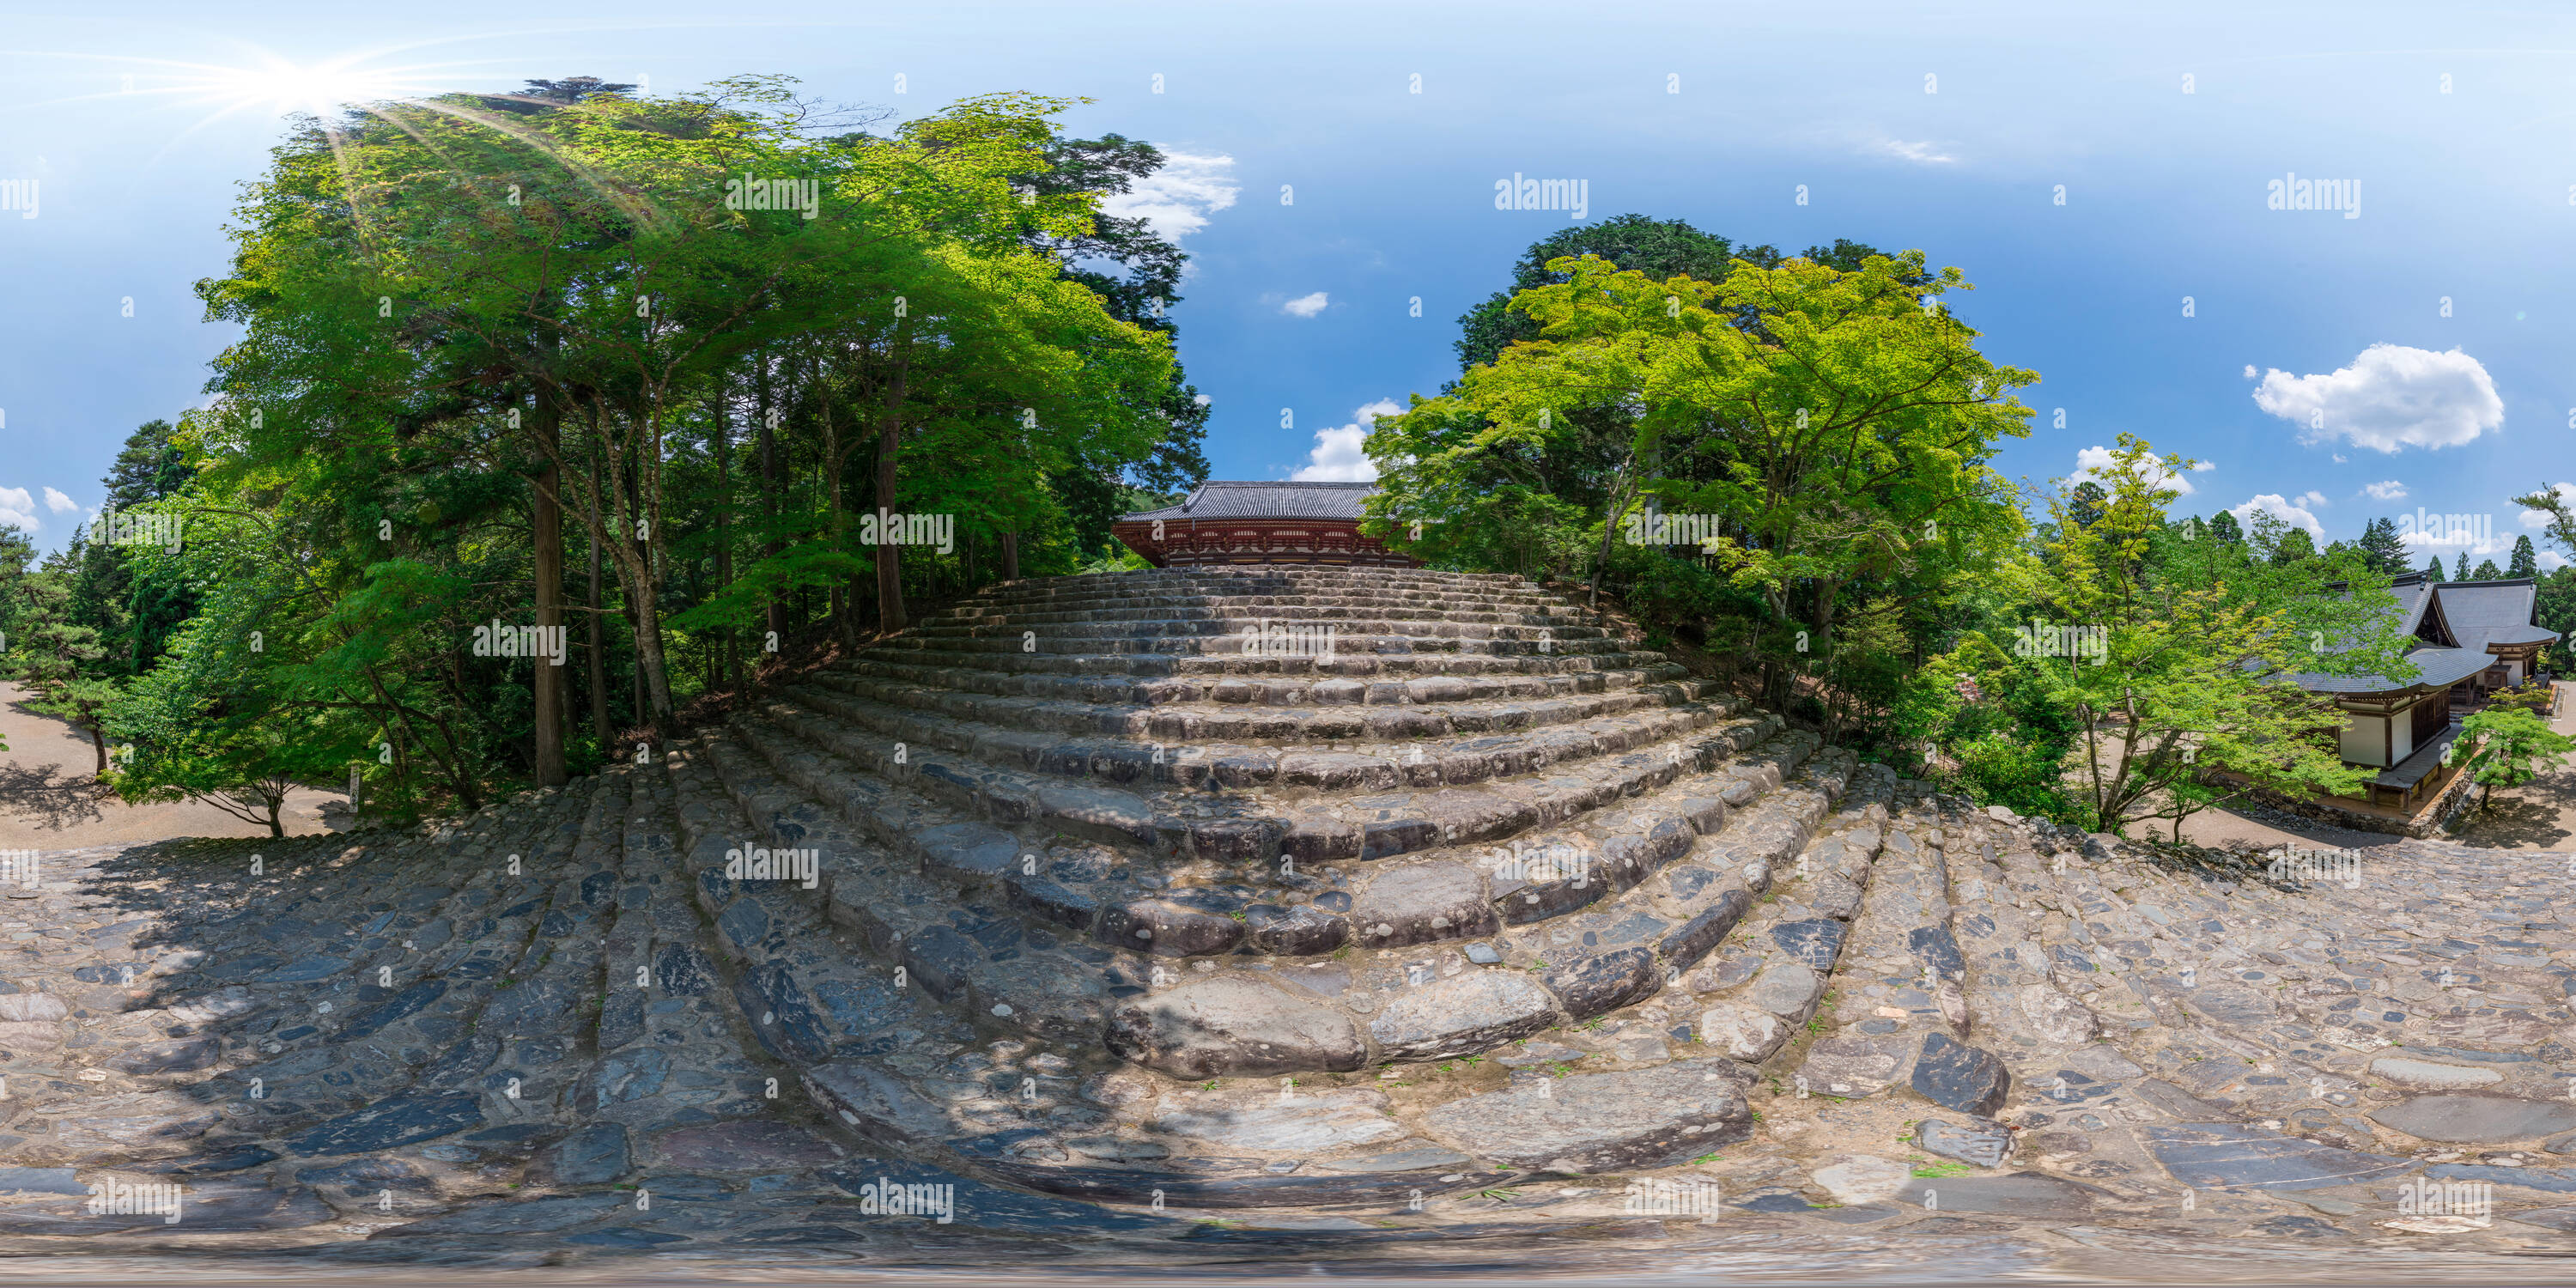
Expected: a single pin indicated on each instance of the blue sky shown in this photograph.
(2466, 197)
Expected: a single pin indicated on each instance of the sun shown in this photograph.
(322, 89)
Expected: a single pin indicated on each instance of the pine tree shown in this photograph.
(2433, 568)
(2460, 569)
(2487, 571)
(2526, 563)
(2380, 544)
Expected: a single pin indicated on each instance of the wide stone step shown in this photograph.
(1261, 610)
(1342, 664)
(1185, 825)
(1319, 644)
(1232, 907)
(1217, 634)
(1199, 765)
(1338, 711)
(911, 937)
(1251, 690)
(1417, 999)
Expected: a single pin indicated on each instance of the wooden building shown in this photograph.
(1259, 523)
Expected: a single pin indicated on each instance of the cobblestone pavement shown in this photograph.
(1080, 930)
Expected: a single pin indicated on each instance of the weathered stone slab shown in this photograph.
(2023, 1194)
(1304, 1124)
(1599, 983)
(1816, 942)
(1787, 989)
(1461, 1015)
(1981, 1141)
(1865, 1178)
(1420, 903)
(1235, 1027)
(177, 1056)
(515, 1216)
(2426, 1073)
(594, 1155)
(1743, 1033)
(1303, 930)
(1602, 1121)
(1402, 1160)
(744, 1145)
(1935, 949)
(2230, 1156)
(1959, 1077)
(2476, 1120)
(1849, 1067)
(1693, 939)
(404, 1119)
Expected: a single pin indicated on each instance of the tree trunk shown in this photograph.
(633, 551)
(845, 599)
(598, 651)
(890, 615)
(549, 681)
(98, 741)
(720, 446)
(1010, 556)
(773, 485)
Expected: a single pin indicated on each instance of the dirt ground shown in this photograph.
(50, 801)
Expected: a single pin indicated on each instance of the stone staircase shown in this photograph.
(1079, 894)
(1490, 820)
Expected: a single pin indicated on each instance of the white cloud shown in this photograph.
(1337, 457)
(2391, 397)
(2312, 498)
(2447, 541)
(1305, 306)
(2249, 371)
(2204, 467)
(1918, 153)
(1177, 199)
(57, 502)
(16, 507)
(2392, 490)
(2092, 460)
(2272, 504)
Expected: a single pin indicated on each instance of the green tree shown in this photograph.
(1847, 427)
(2292, 545)
(2460, 567)
(56, 660)
(236, 752)
(2486, 571)
(2526, 561)
(2554, 608)
(1659, 248)
(2558, 515)
(2381, 545)
(2433, 568)
(2513, 746)
(2223, 525)
(2185, 656)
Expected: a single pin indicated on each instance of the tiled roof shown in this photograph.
(1254, 500)
(2479, 614)
(2437, 668)
(2482, 612)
